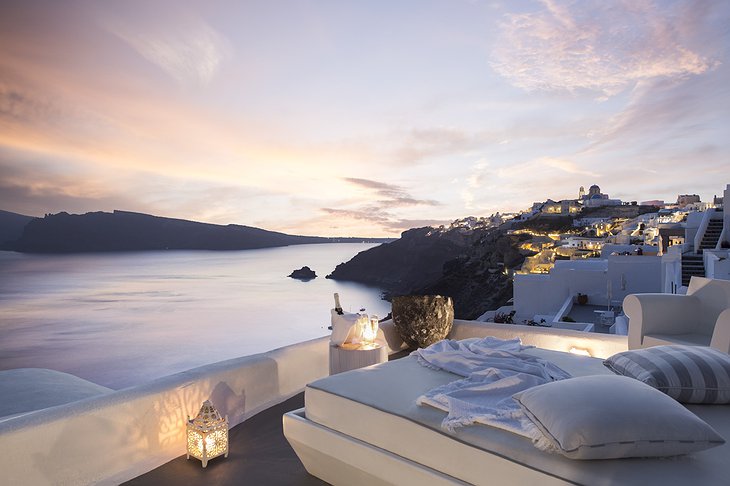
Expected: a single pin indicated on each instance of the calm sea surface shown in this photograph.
(127, 318)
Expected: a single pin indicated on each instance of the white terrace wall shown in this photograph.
(546, 293)
(115, 437)
(537, 294)
(634, 274)
(627, 274)
(598, 345)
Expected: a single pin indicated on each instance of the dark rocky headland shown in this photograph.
(128, 231)
(470, 263)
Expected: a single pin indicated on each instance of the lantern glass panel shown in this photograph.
(207, 434)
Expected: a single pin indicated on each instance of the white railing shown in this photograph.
(564, 310)
(724, 236)
(115, 437)
(706, 217)
(717, 263)
(672, 273)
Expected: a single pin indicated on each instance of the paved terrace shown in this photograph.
(589, 313)
(259, 454)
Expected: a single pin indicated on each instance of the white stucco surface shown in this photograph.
(623, 274)
(28, 389)
(113, 437)
(598, 345)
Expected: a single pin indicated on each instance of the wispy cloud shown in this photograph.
(191, 51)
(383, 211)
(393, 195)
(662, 112)
(595, 45)
(566, 166)
(428, 142)
(35, 188)
(382, 219)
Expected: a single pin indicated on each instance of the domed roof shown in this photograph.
(594, 187)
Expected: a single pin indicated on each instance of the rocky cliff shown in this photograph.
(12, 225)
(471, 264)
(465, 264)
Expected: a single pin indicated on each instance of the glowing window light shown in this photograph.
(580, 351)
(207, 434)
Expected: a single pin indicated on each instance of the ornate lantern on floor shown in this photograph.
(207, 434)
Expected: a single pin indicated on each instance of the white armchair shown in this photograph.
(701, 318)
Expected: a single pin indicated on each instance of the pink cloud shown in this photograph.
(597, 46)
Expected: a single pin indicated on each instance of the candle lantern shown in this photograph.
(207, 434)
(370, 329)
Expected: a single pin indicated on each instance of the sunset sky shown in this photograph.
(360, 118)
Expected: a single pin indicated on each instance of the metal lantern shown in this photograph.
(207, 434)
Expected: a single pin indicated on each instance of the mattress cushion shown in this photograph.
(377, 405)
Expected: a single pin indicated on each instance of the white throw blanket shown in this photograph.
(495, 370)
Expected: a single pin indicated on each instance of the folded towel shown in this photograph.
(476, 354)
(495, 370)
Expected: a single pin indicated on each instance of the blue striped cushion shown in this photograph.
(689, 374)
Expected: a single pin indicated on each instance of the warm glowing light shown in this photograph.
(207, 434)
(370, 330)
(580, 351)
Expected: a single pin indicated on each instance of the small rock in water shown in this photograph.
(304, 273)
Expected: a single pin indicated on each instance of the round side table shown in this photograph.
(353, 356)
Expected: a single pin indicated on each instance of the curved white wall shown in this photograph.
(118, 436)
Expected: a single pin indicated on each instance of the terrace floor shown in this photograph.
(589, 313)
(259, 454)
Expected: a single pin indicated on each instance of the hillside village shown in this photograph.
(530, 267)
(577, 279)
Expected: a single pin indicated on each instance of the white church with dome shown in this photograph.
(595, 198)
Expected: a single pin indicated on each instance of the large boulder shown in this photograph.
(422, 320)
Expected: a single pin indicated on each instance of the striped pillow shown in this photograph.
(689, 374)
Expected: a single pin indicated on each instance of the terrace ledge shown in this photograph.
(117, 436)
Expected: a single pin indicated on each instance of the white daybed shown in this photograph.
(364, 427)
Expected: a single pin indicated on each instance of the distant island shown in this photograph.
(129, 231)
(304, 273)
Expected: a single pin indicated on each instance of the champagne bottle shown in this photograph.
(338, 307)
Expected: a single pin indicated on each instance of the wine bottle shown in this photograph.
(338, 307)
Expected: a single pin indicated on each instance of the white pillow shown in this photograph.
(609, 417)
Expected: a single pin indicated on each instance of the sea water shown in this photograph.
(122, 319)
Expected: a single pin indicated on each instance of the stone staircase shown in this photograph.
(692, 265)
(711, 236)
